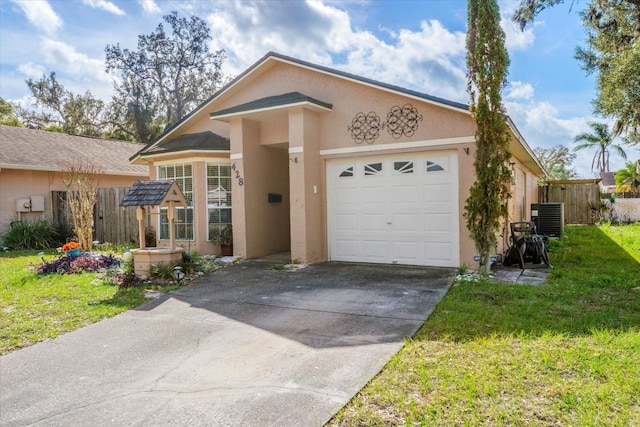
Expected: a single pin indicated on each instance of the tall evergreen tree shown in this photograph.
(487, 69)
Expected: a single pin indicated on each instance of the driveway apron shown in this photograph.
(247, 345)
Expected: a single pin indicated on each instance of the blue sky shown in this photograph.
(417, 44)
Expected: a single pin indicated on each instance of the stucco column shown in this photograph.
(244, 136)
(305, 186)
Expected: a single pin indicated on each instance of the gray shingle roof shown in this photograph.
(146, 193)
(30, 149)
(195, 141)
(608, 178)
(290, 98)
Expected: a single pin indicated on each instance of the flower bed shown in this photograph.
(71, 265)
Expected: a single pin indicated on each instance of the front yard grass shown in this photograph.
(566, 353)
(34, 308)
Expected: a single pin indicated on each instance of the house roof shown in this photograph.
(273, 57)
(30, 149)
(153, 193)
(285, 100)
(203, 141)
(608, 178)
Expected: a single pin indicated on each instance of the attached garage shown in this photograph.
(394, 209)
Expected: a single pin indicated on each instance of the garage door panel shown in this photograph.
(409, 222)
(346, 248)
(406, 212)
(372, 194)
(346, 222)
(373, 222)
(344, 196)
(438, 222)
(438, 192)
(436, 237)
(441, 252)
(405, 250)
(404, 193)
(373, 250)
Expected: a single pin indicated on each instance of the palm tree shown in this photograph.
(628, 179)
(602, 139)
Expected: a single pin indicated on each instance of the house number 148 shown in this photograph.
(236, 172)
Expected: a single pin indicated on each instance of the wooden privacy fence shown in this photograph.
(111, 222)
(581, 198)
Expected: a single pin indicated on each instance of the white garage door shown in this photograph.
(395, 209)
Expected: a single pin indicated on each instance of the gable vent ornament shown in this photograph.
(402, 120)
(365, 127)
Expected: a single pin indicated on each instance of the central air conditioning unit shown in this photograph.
(549, 218)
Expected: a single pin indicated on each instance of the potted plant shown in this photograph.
(71, 249)
(224, 237)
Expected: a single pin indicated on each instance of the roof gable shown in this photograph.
(277, 101)
(203, 141)
(272, 57)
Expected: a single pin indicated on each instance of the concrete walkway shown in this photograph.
(247, 345)
(516, 276)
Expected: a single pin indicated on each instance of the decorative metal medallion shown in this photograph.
(365, 127)
(402, 120)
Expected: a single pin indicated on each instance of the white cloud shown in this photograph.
(31, 70)
(105, 5)
(428, 60)
(150, 7)
(519, 90)
(542, 126)
(63, 57)
(515, 38)
(40, 14)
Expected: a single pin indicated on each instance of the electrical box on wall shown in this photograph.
(23, 205)
(37, 203)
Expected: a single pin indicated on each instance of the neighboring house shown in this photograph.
(329, 166)
(608, 182)
(31, 162)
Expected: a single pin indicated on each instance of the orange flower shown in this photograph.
(69, 246)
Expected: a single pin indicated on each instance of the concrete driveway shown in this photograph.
(247, 345)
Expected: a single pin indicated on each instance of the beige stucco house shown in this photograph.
(329, 166)
(31, 163)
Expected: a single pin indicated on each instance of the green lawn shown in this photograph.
(566, 353)
(34, 308)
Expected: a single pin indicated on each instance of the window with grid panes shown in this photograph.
(182, 174)
(218, 197)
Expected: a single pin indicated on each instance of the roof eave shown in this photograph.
(308, 104)
(40, 168)
(534, 160)
(144, 157)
